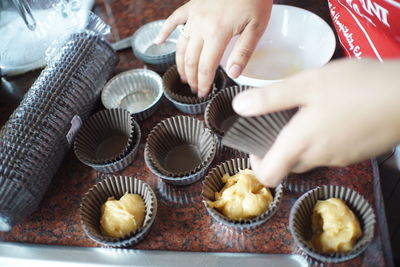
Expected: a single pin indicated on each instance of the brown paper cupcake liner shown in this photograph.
(192, 109)
(105, 137)
(124, 161)
(183, 195)
(219, 114)
(139, 91)
(255, 135)
(180, 180)
(180, 92)
(213, 183)
(301, 213)
(180, 146)
(116, 186)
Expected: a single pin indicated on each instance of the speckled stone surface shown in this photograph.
(182, 222)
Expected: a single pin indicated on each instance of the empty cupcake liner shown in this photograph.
(213, 183)
(125, 160)
(180, 180)
(139, 91)
(180, 146)
(116, 186)
(104, 137)
(256, 135)
(219, 114)
(301, 213)
(156, 55)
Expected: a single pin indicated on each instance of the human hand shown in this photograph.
(210, 25)
(349, 111)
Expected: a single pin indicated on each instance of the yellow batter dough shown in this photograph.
(242, 197)
(335, 227)
(124, 216)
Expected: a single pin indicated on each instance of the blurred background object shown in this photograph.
(29, 27)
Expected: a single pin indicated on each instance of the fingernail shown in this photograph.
(242, 103)
(234, 71)
(201, 94)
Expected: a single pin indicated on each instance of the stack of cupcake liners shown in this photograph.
(39, 133)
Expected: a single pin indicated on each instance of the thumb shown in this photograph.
(278, 96)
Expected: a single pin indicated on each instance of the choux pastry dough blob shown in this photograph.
(242, 196)
(335, 227)
(124, 216)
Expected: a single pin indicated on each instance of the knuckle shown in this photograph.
(244, 53)
(190, 63)
(205, 70)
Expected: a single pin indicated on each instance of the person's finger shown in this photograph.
(243, 49)
(278, 96)
(192, 56)
(209, 60)
(179, 16)
(180, 56)
(284, 154)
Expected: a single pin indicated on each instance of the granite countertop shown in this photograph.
(182, 222)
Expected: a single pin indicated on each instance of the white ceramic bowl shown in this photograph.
(295, 39)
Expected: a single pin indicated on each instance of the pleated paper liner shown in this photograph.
(183, 195)
(173, 180)
(180, 92)
(213, 183)
(116, 186)
(219, 114)
(301, 213)
(16, 202)
(139, 91)
(104, 137)
(157, 57)
(255, 135)
(180, 146)
(127, 158)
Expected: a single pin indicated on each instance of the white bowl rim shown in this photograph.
(246, 80)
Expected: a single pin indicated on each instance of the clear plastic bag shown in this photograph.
(29, 27)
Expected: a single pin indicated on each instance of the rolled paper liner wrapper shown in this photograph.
(301, 213)
(99, 129)
(177, 131)
(47, 115)
(116, 186)
(124, 161)
(180, 180)
(181, 93)
(219, 110)
(255, 135)
(162, 56)
(213, 183)
(131, 88)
